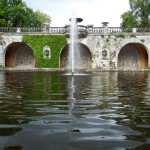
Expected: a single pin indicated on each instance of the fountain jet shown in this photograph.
(74, 50)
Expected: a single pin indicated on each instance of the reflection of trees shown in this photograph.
(13, 148)
(14, 91)
(9, 131)
(11, 99)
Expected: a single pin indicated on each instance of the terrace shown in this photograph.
(83, 30)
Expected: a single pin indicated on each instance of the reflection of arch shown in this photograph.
(85, 55)
(133, 55)
(19, 54)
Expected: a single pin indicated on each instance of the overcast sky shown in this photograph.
(92, 11)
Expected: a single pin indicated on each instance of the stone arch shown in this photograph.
(84, 53)
(19, 54)
(133, 56)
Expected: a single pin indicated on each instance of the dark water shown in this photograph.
(51, 111)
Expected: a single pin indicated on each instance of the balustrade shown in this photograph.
(81, 29)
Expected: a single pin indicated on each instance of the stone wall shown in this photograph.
(105, 49)
(112, 45)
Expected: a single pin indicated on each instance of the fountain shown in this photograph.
(74, 60)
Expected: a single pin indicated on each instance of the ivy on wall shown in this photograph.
(37, 43)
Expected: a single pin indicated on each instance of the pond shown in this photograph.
(95, 111)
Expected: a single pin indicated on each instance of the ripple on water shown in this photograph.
(107, 110)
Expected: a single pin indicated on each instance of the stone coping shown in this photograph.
(32, 69)
(63, 69)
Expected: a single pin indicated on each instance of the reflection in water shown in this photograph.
(47, 110)
(133, 96)
(13, 148)
(71, 99)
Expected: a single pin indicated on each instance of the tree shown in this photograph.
(41, 18)
(139, 15)
(141, 10)
(16, 13)
(128, 20)
(3, 21)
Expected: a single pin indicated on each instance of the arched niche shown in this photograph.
(133, 56)
(85, 54)
(19, 54)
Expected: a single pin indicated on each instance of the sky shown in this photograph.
(93, 12)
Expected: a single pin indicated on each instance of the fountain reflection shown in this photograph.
(72, 101)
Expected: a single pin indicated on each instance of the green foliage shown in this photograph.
(142, 40)
(141, 10)
(97, 44)
(15, 13)
(133, 35)
(112, 64)
(139, 14)
(37, 43)
(128, 20)
(120, 35)
(41, 18)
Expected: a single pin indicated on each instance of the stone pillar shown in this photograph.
(105, 27)
(67, 28)
(134, 30)
(89, 27)
(46, 27)
(18, 30)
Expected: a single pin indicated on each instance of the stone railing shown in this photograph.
(117, 30)
(19, 30)
(53, 30)
(83, 30)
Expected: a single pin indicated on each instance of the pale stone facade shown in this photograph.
(5, 41)
(104, 49)
(113, 45)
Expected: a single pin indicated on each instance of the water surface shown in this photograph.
(52, 111)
